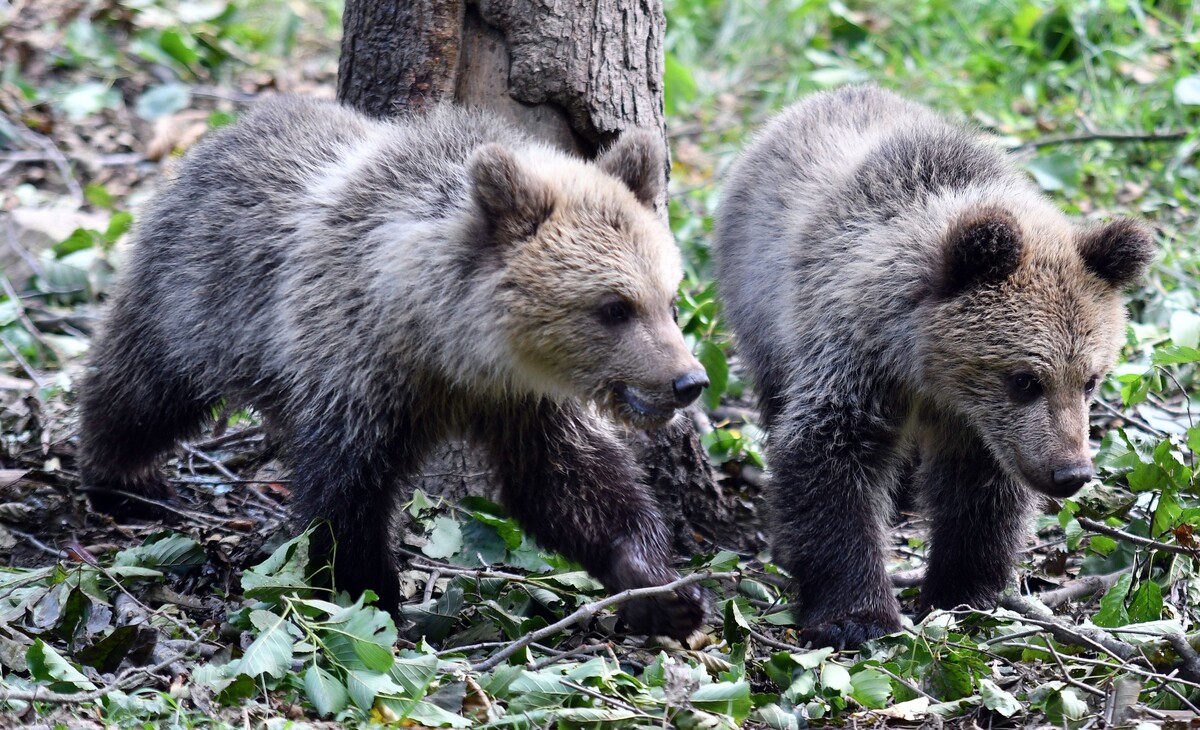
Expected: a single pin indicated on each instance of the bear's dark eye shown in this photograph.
(615, 312)
(675, 312)
(1024, 387)
(1090, 386)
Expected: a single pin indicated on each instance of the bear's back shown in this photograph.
(830, 209)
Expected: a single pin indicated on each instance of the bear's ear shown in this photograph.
(638, 160)
(514, 201)
(982, 247)
(1118, 252)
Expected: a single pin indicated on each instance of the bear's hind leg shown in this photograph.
(576, 490)
(134, 409)
(980, 517)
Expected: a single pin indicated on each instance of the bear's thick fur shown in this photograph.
(910, 304)
(372, 287)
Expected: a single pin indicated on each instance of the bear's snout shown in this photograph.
(687, 387)
(1070, 479)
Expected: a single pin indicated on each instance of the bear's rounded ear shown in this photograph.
(1118, 252)
(514, 201)
(638, 159)
(982, 247)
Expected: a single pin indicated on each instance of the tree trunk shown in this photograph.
(575, 73)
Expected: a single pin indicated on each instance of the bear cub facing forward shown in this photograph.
(374, 287)
(911, 306)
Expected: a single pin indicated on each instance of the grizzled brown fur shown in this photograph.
(910, 304)
(373, 287)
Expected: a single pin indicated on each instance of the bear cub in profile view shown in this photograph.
(911, 306)
(373, 287)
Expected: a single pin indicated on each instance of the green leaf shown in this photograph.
(47, 665)
(283, 572)
(1112, 604)
(950, 678)
(1147, 603)
(325, 692)
(430, 715)
(534, 690)
(835, 677)
(726, 698)
(445, 540)
(1056, 171)
(735, 627)
(773, 716)
(271, 652)
(1175, 355)
(166, 551)
(414, 673)
(160, 101)
(717, 367)
(870, 688)
(87, 99)
(80, 239)
(179, 47)
(997, 700)
(679, 86)
(364, 686)
(98, 196)
(360, 638)
(117, 226)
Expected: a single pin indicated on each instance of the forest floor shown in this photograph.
(208, 619)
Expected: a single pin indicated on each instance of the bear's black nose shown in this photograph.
(687, 387)
(1070, 478)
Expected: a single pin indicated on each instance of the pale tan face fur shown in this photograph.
(1022, 358)
(590, 293)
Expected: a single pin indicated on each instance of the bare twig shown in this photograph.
(55, 156)
(619, 704)
(1079, 588)
(1171, 136)
(16, 355)
(429, 584)
(211, 461)
(908, 578)
(1187, 653)
(557, 656)
(37, 543)
(1141, 423)
(588, 610)
(1084, 636)
(911, 686)
(1067, 675)
(41, 694)
(774, 644)
(1146, 542)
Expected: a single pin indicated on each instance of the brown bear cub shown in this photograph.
(911, 307)
(373, 287)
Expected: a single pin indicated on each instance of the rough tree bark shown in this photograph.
(575, 73)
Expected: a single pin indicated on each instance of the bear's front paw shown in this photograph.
(676, 614)
(124, 501)
(848, 632)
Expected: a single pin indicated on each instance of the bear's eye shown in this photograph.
(1090, 386)
(1024, 387)
(615, 312)
(675, 312)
